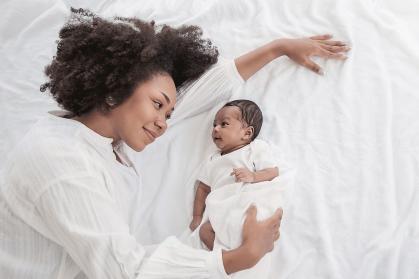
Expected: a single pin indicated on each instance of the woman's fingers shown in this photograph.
(275, 220)
(278, 217)
(251, 213)
(321, 37)
(325, 39)
(329, 54)
(309, 64)
(277, 225)
(276, 236)
(278, 214)
(335, 49)
(332, 43)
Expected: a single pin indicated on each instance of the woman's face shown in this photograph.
(142, 117)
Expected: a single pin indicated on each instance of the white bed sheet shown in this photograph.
(353, 134)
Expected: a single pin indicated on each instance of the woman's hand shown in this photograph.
(301, 50)
(259, 237)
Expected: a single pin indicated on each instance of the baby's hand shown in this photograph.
(243, 175)
(196, 221)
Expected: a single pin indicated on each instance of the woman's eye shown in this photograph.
(157, 104)
(224, 124)
(168, 116)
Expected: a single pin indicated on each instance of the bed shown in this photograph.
(352, 134)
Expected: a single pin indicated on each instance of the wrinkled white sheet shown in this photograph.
(353, 134)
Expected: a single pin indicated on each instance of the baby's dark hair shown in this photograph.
(250, 114)
(99, 62)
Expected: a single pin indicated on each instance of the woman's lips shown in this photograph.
(152, 136)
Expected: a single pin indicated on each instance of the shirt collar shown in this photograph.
(87, 133)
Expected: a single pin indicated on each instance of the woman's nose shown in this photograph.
(161, 125)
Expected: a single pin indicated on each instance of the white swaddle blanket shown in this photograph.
(228, 201)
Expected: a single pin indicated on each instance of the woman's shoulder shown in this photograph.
(52, 151)
(49, 136)
(52, 146)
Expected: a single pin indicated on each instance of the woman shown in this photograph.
(69, 188)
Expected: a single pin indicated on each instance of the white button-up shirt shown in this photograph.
(67, 206)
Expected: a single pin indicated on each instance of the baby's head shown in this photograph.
(236, 124)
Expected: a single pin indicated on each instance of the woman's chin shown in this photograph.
(139, 149)
(138, 146)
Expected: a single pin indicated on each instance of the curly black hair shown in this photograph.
(98, 60)
(251, 114)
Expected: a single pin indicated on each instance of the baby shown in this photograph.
(239, 174)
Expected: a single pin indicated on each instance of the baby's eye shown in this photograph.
(157, 104)
(168, 116)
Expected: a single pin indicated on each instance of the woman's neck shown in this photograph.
(99, 123)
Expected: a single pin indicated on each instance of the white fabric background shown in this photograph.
(353, 134)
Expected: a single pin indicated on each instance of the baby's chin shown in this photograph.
(222, 148)
(219, 147)
(217, 143)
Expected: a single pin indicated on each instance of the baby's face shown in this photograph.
(229, 133)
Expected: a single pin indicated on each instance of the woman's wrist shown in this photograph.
(241, 258)
(279, 47)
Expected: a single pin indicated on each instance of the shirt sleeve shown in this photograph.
(214, 86)
(81, 216)
(173, 259)
(85, 221)
(203, 177)
(204, 174)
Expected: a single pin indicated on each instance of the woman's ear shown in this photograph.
(248, 134)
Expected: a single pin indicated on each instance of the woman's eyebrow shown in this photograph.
(166, 97)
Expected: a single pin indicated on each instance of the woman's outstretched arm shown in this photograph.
(299, 50)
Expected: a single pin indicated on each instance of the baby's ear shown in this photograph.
(248, 134)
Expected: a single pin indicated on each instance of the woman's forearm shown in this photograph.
(248, 64)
